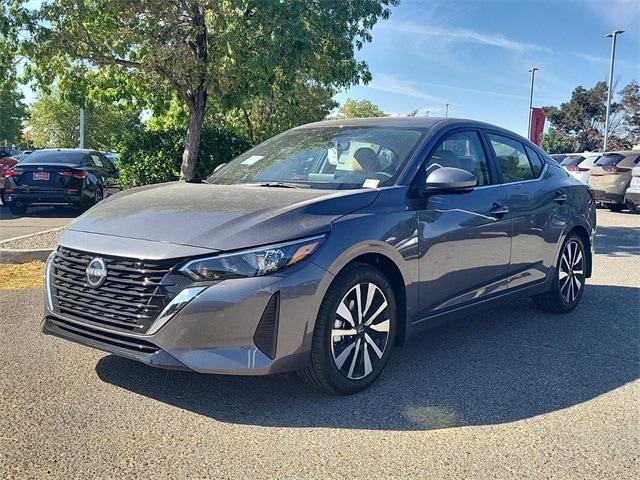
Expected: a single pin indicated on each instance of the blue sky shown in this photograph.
(475, 55)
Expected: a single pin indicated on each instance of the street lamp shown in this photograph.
(611, 35)
(446, 109)
(533, 73)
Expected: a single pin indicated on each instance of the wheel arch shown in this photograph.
(390, 270)
(586, 240)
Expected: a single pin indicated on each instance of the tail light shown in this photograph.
(74, 173)
(12, 173)
(571, 168)
(614, 169)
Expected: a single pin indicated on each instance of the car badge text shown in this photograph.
(96, 272)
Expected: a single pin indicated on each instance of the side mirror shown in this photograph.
(450, 179)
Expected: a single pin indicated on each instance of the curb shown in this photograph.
(24, 256)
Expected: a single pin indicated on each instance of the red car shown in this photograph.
(6, 162)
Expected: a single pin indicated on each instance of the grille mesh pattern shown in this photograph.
(132, 296)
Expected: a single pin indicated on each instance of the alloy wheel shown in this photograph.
(571, 277)
(360, 331)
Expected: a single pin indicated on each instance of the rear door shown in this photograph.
(538, 205)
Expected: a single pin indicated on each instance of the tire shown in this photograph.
(354, 332)
(632, 208)
(615, 207)
(18, 207)
(569, 278)
(98, 196)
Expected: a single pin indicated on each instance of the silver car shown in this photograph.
(632, 195)
(579, 164)
(320, 249)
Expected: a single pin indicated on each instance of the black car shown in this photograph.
(59, 177)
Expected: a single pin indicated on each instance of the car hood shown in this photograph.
(218, 217)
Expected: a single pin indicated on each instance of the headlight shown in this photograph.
(252, 263)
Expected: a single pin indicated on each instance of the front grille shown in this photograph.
(132, 296)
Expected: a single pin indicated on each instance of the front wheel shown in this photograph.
(570, 276)
(354, 332)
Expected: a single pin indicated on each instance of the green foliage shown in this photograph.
(12, 112)
(263, 117)
(554, 142)
(359, 109)
(237, 54)
(55, 122)
(155, 156)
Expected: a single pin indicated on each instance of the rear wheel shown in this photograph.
(632, 208)
(615, 207)
(569, 282)
(97, 198)
(354, 332)
(18, 207)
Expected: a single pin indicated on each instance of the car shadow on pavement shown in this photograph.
(618, 241)
(42, 212)
(512, 363)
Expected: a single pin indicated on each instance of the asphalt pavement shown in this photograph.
(513, 393)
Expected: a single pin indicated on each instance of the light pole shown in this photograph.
(611, 35)
(446, 109)
(533, 73)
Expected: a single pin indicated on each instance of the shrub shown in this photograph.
(155, 156)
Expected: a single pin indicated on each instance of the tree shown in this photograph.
(12, 108)
(578, 125)
(12, 112)
(554, 142)
(232, 50)
(630, 106)
(54, 122)
(263, 117)
(359, 109)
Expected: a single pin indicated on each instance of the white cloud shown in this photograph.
(461, 35)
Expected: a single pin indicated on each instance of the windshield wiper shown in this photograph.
(284, 185)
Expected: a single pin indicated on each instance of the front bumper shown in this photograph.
(248, 326)
(633, 198)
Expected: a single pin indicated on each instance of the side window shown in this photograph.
(517, 161)
(461, 150)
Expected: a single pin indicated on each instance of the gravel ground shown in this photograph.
(38, 241)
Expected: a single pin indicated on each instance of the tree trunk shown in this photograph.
(197, 108)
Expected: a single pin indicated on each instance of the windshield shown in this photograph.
(328, 157)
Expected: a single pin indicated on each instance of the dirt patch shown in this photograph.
(25, 275)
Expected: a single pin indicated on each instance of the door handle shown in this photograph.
(499, 210)
(560, 197)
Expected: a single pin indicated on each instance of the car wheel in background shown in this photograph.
(569, 282)
(615, 207)
(632, 208)
(17, 207)
(98, 196)
(354, 332)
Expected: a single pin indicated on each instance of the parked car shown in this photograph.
(579, 165)
(320, 249)
(559, 157)
(6, 162)
(611, 176)
(632, 195)
(75, 177)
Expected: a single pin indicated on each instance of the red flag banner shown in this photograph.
(537, 125)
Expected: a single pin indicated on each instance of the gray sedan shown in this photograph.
(320, 249)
